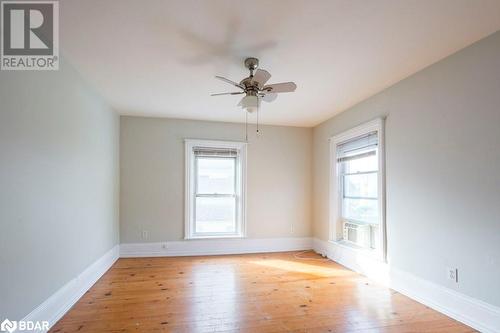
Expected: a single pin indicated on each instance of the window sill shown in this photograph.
(215, 237)
(373, 254)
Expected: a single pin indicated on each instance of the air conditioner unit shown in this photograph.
(358, 234)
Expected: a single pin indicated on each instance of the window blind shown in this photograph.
(358, 147)
(215, 152)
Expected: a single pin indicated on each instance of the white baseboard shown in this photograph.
(475, 313)
(214, 247)
(61, 301)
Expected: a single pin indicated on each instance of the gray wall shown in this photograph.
(152, 177)
(58, 184)
(442, 163)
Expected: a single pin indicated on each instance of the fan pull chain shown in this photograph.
(246, 126)
(258, 108)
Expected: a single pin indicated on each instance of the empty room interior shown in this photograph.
(250, 166)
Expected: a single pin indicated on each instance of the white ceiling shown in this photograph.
(159, 58)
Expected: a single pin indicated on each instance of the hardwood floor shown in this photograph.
(259, 293)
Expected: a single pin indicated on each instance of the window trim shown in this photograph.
(335, 205)
(190, 191)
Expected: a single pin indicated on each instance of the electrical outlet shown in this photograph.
(453, 274)
(145, 234)
(292, 228)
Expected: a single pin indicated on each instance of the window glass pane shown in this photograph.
(216, 175)
(215, 215)
(360, 210)
(362, 185)
(364, 164)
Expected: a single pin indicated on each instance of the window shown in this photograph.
(215, 189)
(358, 188)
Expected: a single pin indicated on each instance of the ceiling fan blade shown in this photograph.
(280, 87)
(230, 82)
(228, 93)
(269, 97)
(261, 76)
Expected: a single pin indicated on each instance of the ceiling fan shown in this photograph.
(255, 88)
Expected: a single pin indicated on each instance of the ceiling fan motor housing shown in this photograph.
(251, 63)
(251, 86)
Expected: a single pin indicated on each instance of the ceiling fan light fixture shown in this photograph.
(250, 103)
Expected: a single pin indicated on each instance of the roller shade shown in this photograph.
(215, 152)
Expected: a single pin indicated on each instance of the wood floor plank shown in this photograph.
(272, 292)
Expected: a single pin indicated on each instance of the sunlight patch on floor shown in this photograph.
(292, 266)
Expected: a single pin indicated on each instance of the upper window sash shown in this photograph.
(234, 191)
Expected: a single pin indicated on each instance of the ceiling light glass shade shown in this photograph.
(250, 103)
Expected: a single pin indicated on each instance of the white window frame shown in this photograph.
(190, 183)
(335, 205)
